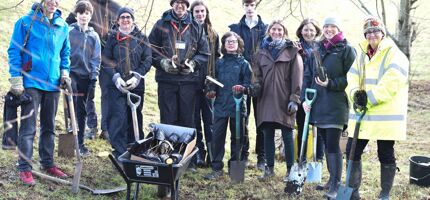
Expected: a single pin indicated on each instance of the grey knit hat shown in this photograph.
(332, 21)
(125, 10)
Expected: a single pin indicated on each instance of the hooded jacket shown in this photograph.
(331, 103)
(47, 50)
(251, 37)
(163, 40)
(230, 70)
(386, 85)
(85, 53)
(114, 54)
(281, 79)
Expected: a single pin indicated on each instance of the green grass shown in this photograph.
(98, 172)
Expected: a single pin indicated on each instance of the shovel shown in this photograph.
(237, 167)
(133, 106)
(66, 143)
(345, 192)
(297, 176)
(78, 167)
(315, 167)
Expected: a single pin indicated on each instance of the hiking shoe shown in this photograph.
(261, 166)
(27, 178)
(213, 175)
(104, 135)
(55, 171)
(91, 133)
(83, 150)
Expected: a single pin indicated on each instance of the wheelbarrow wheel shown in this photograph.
(163, 191)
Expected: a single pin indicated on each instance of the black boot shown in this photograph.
(355, 179)
(200, 159)
(387, 178)
(268, 172)
(335, 160)
(327, 184)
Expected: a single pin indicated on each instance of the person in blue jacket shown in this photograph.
(252, 30)
(85, 57)
(235, 73)
(127, 59)
(38, 62)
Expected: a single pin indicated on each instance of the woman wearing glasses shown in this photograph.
(384, 95)
(128, 59)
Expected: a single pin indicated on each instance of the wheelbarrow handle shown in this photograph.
(130, 101)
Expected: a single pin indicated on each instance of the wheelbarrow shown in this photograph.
(237, 166)
(297, 177)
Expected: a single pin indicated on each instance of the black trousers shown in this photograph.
(80, 94)
(218, 140)
(176, 102)
(203, 112)
(331, 138)
(385, 150)
(259, 141)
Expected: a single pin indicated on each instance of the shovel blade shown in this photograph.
(344, 193)
(296, 180)
(237, 171)
(66, 145)
(314, 172)
(107, 191)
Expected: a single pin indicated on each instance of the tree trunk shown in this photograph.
(404, 27)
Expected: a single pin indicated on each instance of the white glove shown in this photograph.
(120, 83)
(132, 83)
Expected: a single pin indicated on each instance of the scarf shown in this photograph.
(328, 43)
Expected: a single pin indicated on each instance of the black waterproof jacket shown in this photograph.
(251, 37)
(114, 54)
(163, 38)
(331, 104)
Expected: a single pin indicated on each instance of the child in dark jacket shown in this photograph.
(85, 57)
(234, 72)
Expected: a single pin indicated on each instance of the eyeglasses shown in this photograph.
(231, 41)
(374, 31)
(125, 17)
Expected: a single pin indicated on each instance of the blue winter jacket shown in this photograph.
(47, 51)
(251, 37)
(230, 70)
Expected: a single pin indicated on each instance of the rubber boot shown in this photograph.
(335, 160)
(388, 171)
(355, 179)
(268, 172)
(327, 184)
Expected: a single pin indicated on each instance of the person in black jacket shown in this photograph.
(329, 111)
(180, 49)
(252, 30)
(127, 59)
(103, 20)
(204, 106)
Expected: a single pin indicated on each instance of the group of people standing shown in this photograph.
(259, 64)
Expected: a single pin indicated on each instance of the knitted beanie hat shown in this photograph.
(332, 21)
(125, 10)
(372, 23)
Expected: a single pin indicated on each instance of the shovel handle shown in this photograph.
(133, 106)
(309, 91)
(238, 101)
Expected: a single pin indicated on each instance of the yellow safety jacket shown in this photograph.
(386, 85)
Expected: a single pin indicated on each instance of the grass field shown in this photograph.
(98, 172)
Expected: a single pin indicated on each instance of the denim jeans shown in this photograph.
(47, 102)
(268, 130)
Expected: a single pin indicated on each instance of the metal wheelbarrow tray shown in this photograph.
(151, 172)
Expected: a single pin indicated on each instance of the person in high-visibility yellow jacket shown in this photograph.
(382, 72)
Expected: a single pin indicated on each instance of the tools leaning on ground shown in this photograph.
(345, 192)
(314, 167)
(66, 141)
(237, 166)
(297, 176)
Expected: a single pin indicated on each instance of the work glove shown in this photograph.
(360, 99)
(210, 94)
(91, 89)
(134, 81)
(255, 89)
(238, 89)
(188, 67)
(16, 85)
(64, 79)
(166, 65)
(119, 83)
(292, 108)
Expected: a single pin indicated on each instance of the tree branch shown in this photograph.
(15, 6)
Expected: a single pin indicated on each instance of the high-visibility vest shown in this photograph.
(386, 85)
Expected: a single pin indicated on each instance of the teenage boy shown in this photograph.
(85, 63)
(252, 30)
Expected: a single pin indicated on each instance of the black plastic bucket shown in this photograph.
(419, 170)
